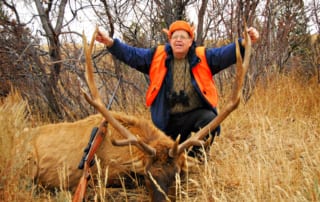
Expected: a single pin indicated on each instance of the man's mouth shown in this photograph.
(178, 45)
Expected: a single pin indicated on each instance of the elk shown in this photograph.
(130, 144)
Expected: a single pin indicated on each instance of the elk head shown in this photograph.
(164, 158)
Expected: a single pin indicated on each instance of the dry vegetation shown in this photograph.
(268, 151)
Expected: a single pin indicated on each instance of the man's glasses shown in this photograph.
(181, 37)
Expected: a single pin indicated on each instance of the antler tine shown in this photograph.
(241, 69)
(174, 150)
(97, 103)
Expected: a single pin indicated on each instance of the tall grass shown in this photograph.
(268, 151)
(12, 122)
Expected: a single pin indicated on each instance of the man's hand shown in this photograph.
(103, 37)
(254, 35)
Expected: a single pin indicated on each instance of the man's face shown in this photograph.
(180, 43)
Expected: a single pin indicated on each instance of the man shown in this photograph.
(182, 94)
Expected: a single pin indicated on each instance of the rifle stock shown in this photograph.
(82, 186)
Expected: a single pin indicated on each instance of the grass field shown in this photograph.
(268, 151)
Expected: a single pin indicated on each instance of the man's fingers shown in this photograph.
(253, 33)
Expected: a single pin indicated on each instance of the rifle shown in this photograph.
(83, 183)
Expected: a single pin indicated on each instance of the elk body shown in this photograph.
(130, 144)
(57, 151)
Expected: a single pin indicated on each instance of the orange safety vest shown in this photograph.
(201, 73)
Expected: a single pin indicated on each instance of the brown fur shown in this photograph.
(58, 148)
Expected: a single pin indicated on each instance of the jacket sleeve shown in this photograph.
(223, 57)
(138, 58)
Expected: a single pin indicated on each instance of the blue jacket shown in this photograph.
(141, 58)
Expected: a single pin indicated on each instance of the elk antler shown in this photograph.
(97, 103)
(241, 69)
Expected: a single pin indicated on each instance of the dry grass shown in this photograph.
(268, 151)
(12, 122)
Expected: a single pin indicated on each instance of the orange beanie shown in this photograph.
(180, 25)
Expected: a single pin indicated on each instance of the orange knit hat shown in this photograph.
(180, 25)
